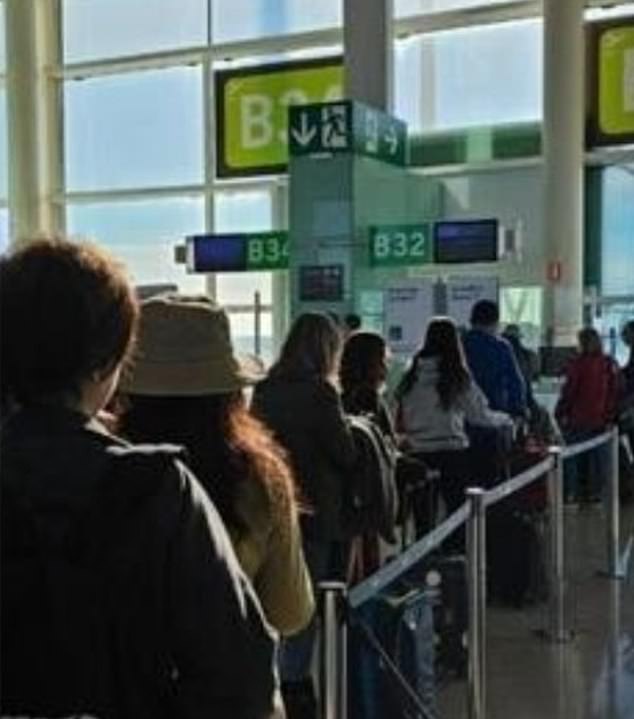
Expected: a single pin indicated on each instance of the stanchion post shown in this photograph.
(557, 631)
(476, 567)
(612, 500)
(333, 651)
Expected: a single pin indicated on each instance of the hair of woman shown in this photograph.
(361, 360)
(68, 314)
(311, 349)
(589, 341)
(442, 341)
(225, 444)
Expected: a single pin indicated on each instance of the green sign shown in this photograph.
(235, 252)
(267, 251)
(616, 81)
(252, 111)
(346, 126)
(400, 245)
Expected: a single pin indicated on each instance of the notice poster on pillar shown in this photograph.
(464, 292)
(408, 307)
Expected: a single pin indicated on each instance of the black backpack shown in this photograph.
(58, 613)
(370, 495)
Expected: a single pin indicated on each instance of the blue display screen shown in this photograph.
(216, 253)
(466, 241)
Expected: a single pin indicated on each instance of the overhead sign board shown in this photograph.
(346, 126)
(245, 252)
(401, 245)
(612, 91)
(252, 111)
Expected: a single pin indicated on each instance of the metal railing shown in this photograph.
(335, 602)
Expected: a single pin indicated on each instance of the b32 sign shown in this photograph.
(252, 111)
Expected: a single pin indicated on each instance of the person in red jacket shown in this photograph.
(587, 406)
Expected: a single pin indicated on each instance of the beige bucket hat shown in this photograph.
(184, 349)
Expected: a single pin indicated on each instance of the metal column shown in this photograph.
(333, 651)
(612, 502)
(369, 51)
(563, 138)
(476, 568)
(557, 631)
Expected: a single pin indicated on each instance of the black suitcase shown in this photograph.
(514, 557)
(391, 657)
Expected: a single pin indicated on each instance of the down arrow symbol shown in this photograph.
(305, 134)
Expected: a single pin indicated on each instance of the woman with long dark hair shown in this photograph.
(436, 398)
(300, 402)
(186, 389)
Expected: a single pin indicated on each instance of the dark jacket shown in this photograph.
(308, 421)
(180, 610)
(495, 371)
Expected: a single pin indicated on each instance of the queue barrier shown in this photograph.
(335, 601)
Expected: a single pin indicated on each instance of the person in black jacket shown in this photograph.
(299, 401)
(121, 597)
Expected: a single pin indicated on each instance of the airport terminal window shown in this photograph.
(134, 130)
(251, 19)
(243, 334)
(617, 231)
(95, 29)
(143, 235)
(403, 8)
(3, 60)
(4, 159)
(470, 77)
(243, 212)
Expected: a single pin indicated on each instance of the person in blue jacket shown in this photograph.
(492, 362)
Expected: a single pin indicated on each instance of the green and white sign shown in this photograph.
(252, 111)
(616, 81)
(346, 126)
(401, 245)
(267, 251)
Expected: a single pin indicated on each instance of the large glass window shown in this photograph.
(243, 212)
(469, 77)
(4, 159)
(143, 235)
(134, 130)
(418, 7)
(617, 231)
(95, 29)
(3, 50)
(250, 19)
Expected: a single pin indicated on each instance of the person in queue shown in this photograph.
(492, 363)
(300, 402)
(121, 596)
(437, 397)
(187, 388)
(587, 406)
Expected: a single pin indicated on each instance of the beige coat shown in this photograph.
(271, 556)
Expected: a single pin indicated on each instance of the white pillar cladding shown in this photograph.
(563, 147)
(34, 115)
(369, 52)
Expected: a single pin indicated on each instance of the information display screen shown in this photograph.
(216, 253)
(321, 283)
(466, 241)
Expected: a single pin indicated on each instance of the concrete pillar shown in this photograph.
(368, 43)
(563, 139)
(34, 114)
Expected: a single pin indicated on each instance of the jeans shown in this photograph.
(326, 560)
(594, 465)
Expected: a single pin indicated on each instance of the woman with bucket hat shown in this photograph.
(187, 388)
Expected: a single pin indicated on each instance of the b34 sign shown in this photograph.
(252, 111)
